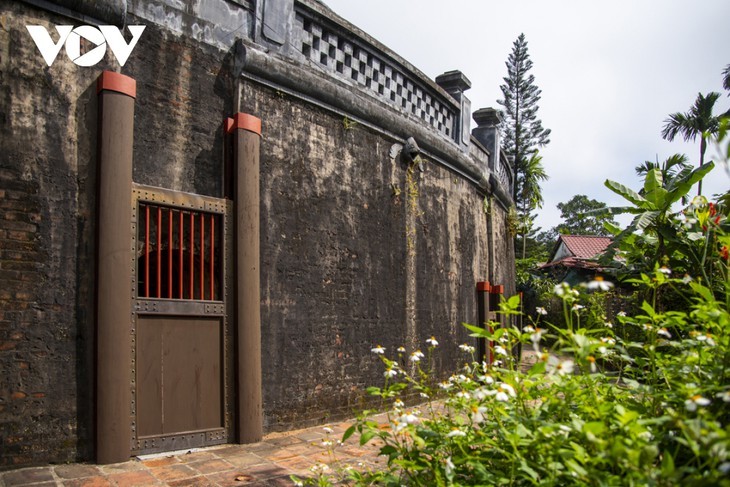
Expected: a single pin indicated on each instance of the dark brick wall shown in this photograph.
(46, 238)
(338, 271)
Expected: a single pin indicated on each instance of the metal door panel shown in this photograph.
(182, 347)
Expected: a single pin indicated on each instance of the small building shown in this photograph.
(574, 258)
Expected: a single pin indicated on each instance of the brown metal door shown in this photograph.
(182, 341)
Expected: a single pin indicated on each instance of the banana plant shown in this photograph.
(654, 218)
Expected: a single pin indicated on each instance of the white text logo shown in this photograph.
(71, 37)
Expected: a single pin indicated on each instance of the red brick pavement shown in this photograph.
(267, 463)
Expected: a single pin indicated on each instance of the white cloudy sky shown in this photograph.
(610, 73)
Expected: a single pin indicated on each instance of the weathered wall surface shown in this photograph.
(352, 255)
(46, 256)
(336, 277)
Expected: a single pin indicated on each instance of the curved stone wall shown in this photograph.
(359, 245)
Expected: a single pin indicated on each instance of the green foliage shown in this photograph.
(657, 235)
(595, 409)
(584, 216)
(642, 401)
(530, 197)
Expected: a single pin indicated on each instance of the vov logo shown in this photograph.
(71, 37)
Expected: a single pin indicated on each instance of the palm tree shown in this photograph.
(726, 78)
(698, 121)
(668, 168)
(530, 193)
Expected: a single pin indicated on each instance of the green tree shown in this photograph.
(652, 233)
(584, 216)
(669, 168)
(530, 196)
(699, 120)
(726, 78)
(522, 131)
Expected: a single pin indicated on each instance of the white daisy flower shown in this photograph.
(665, 270)
(598, 284)
(541, 311)
(561, 289)
(705, 337)
(664, 332)
(378, 350)
(477, 414)
(455, 432)
(694, 401)
(390, 373)
(499, 350)
(504, 392)
(467, 348)
(401, 350)
(432, 342)
(416, 356)
(560, 367)
(724, 395)
(449, 468)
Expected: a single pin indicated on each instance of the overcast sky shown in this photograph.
(610, 73)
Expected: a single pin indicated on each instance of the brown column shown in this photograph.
(114, 268)
(246, 131)
(483, 352)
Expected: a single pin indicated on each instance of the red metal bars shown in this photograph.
(202, 256)
(147, 252)
(181, 272)
(164, 276)
(191, 251)
(159, 251)
(212, 257)
(169, 253)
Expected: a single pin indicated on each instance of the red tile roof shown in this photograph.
(585, 246)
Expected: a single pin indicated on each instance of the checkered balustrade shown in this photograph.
(362, 65)
(504, 174)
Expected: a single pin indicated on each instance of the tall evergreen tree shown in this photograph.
(522, 131)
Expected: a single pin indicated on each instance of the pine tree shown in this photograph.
(522, 131)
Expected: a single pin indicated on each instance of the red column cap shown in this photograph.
(245, 121)
(109, 80)
(497, 289)
(483, 286)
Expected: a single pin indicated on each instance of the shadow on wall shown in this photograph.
(208, 164)
(86, 115)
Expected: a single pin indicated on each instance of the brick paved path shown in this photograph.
(268, 463)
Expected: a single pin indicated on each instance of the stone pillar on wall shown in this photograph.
(115, 259)
(274, 19)
(246, 132)
(487, 133)
(455, 84)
